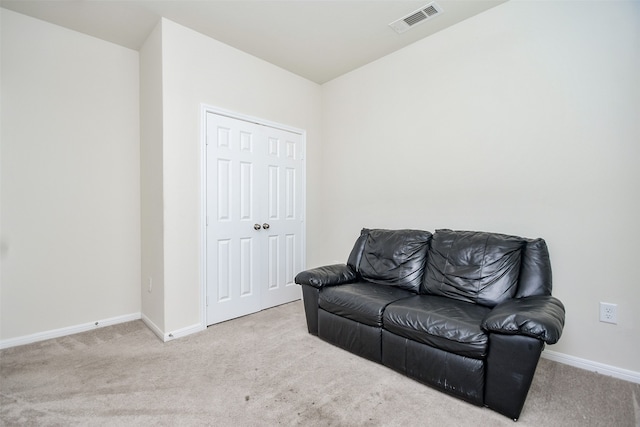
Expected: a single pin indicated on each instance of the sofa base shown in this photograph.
(518, 356)
(310, 300)
(500, 383)
(460, 376)
(357, 338)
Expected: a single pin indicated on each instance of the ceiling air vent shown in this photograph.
(414, 18)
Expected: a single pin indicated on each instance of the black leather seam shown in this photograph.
(484, 261)
(406, 345)
(446, 263)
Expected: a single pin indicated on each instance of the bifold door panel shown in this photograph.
(254, 216)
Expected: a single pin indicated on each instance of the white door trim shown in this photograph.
(204, 110)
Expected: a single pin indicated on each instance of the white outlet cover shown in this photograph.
(608, 312)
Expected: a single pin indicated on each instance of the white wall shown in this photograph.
(151, 180)
(522, 120)
(70, 171)
(197, 69)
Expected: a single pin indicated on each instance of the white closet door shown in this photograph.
(254, 207)
(283, 213)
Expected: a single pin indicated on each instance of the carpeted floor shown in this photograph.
(265, 370)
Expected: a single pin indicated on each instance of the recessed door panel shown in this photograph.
(246, 191)
(246, 267)
(224, 190)
(223, 138)
(224, 270)
(273, 192)
(291, 150)
(274, 146)
(246, 141)
(273, 260)
(290, 193)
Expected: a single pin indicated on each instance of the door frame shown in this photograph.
(207, 109)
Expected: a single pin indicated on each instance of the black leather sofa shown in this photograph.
(466, 312)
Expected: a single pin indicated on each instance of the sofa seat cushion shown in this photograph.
(362, 301)
(440, 322)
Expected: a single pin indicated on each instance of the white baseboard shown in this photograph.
(56, 333)
(154, 328)
(168, 336)
(183, 332)
(592, 366)
(62, 332)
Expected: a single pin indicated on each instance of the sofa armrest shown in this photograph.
(329, 275)
(540, 317)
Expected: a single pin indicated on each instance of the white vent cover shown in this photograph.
(414, 18)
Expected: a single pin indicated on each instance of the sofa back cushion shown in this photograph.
(394, 257)
(535, 270)
(477, 267)
(356, 253)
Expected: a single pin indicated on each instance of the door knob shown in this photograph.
(265, 226)
(256, 226)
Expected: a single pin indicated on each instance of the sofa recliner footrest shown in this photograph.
(457, 375)
(355, 337)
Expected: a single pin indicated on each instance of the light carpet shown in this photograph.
(265, 370)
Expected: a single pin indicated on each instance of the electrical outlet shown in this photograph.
(150, 284)
(609, 313)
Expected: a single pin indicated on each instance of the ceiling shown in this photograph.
(316, 39)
